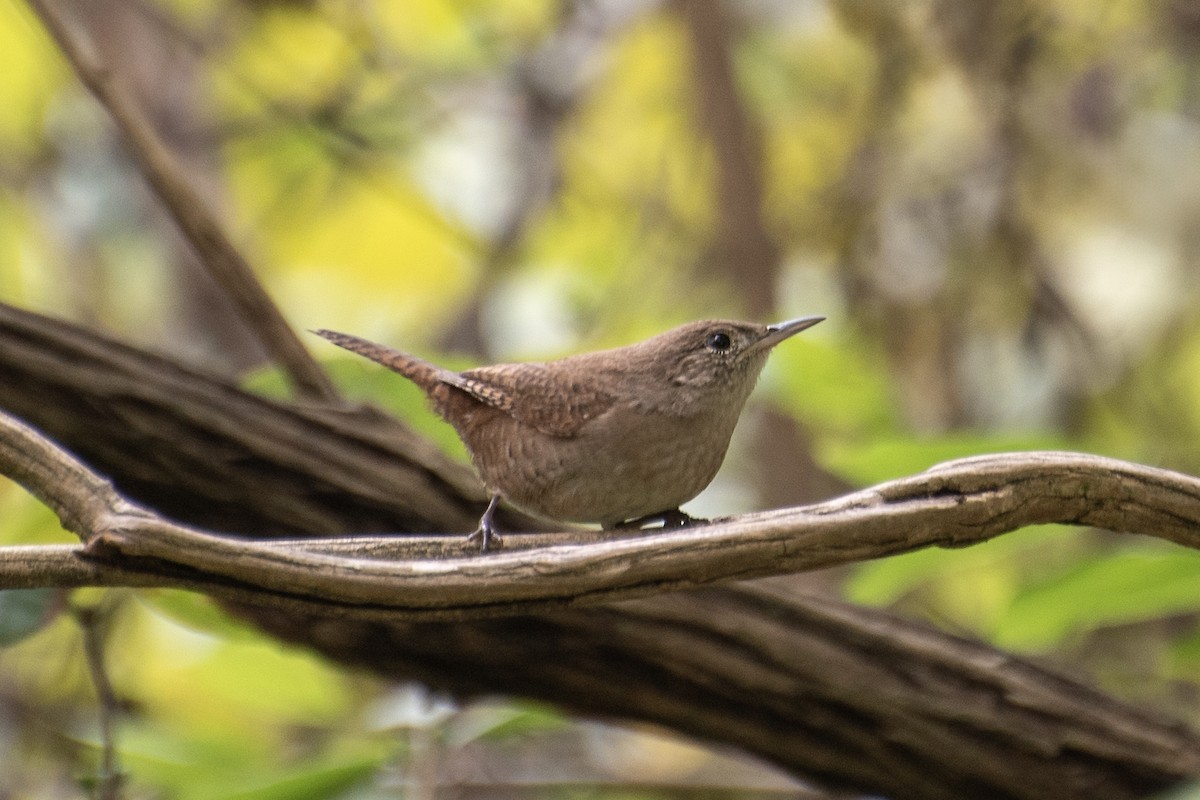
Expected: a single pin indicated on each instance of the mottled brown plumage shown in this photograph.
(608, 436)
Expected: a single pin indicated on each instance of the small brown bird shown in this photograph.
(616, 435)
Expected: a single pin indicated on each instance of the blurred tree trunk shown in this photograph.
(163, 74)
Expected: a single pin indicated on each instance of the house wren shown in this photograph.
(615, 435)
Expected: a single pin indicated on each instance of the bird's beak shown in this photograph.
(782, 330)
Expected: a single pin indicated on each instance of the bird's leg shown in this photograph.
(485, 534)
(670, 518)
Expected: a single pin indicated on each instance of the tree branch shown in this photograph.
(956, 503)
(109, 779)
(206, 236)
(855, 698)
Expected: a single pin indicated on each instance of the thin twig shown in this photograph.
(199, 226)
(110, 779)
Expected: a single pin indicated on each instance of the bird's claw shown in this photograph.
(486, 534)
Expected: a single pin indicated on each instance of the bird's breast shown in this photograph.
(623, 464)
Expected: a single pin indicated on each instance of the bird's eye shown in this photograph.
(718, 342)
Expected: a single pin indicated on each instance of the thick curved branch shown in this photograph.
(202, 230)
(956, 503)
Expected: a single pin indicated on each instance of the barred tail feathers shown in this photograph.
(417, 370)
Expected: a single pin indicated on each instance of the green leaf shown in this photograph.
(1184, 657)
(886, 457)
(184, 763)
(972, 586)
(835, 387)
(310, 783)
(198, 613)
(1151, 580)
(24, 612)
(1187, 791)
(500, 721)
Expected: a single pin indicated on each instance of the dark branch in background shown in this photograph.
(742, 247)
(859, 699)
(167, 84)
(213, 247)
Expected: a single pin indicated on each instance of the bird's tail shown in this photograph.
(417, 370)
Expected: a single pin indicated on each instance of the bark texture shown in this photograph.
(858, 699)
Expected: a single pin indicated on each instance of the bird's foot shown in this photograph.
(485, 535)
(671, 518)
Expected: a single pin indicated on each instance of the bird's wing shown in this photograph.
(536, 395)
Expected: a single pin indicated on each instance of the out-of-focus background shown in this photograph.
(996, 204)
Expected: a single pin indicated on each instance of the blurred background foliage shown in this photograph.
(997, 205)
